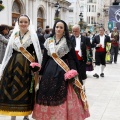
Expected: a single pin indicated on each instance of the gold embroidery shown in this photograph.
(21, 95)
(27, 54)
(14, 113)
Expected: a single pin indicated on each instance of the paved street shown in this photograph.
(103, 94)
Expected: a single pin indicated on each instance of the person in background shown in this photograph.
(106, 33)
(4, 31)
(80, 42)
(114, 45)
(89, 63)
(99, 43)
(57, 97)
(47, 32)
(41, 38)
(17, 91)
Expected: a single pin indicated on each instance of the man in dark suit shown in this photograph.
(80, 43)
(99, 43)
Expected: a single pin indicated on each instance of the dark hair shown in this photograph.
(102, 28)
(66, 35)
(3, 27)
(47, 31)
(24, 16)
(39, 30)
(89, 32)
(47, 26)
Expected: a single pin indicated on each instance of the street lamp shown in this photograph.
(82, 23)
(95, 26)
(81, 20)
(81, 16)
(57, 6)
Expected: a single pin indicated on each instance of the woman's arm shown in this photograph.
(3, 39)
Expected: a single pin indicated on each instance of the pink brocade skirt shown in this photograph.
(71, 109)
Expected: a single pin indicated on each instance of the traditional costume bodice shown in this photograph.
(61, 48)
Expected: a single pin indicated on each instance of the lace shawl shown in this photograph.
(25, 44)
(61, 49)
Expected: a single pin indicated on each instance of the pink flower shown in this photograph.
(35, 66)
(70, 74)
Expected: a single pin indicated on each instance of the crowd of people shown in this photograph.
(55, 91)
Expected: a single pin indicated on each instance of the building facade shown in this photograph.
(92, 11)
(41, 12)
(95, 13)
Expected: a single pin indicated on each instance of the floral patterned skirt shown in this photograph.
(71, 109)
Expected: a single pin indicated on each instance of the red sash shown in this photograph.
(100, 49)
(78, 56)
(115, 43)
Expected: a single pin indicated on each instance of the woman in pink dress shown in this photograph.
(58, 98)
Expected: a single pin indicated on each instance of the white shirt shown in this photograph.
(102, 40)
(78, 45)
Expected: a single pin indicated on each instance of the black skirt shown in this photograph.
(15, 97)
(53, 87)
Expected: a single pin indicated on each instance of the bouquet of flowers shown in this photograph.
(35, 66)
(70, 74)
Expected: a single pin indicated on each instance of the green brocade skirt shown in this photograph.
(15, 98)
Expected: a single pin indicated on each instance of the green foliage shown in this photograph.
(1, 7)
(70, 28)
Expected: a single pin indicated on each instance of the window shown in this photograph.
(90, 1)
(92, 19)
(92, 8)
(40, 18)
(89, 8)
(95, 8)
(82, 8)
(16, 11)
(70, 10)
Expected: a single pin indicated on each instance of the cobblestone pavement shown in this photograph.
(103, 94)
